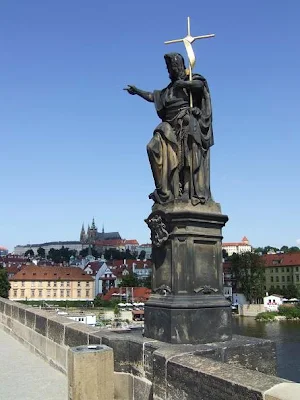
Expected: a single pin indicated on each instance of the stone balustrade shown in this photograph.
(146, 369)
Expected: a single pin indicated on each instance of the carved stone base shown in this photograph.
(188, 305)
(185, 319)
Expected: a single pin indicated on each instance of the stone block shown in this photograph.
(252, 353)
(61, 355)
(123, 383)
(50, 350)
(98, 383)
(193, 377)
(1, 306)
(21, 330)
(142, 389)
(96, 337)
(75, 335)
(38, 341)
(149, 348)
(15, 311)
(283, 391)
(136, 356)
(120, 346)
(30, 319)
(22, 315)
(56, 331)
(41, 324)
(7, 309)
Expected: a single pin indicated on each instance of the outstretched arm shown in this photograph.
(148, 96)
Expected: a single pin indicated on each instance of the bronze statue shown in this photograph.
(179, 151)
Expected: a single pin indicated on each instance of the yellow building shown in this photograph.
(51, 283)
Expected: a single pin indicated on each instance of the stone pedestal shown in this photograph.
(90, 373)
(188, 305)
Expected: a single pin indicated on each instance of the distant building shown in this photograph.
(237, 247)
(282, 270)
(51, 283)
(71, 245)
(3, 251)
(103, 276)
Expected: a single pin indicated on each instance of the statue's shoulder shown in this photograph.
(198, 77)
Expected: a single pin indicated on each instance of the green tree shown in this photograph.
(285, 249)
(290, 291)
(248, 271)
(4, 283)
(259, 250)
(294, 249)
(29, 253)
(130, 280)
(147, 282)
(41, 252)
(95, 253)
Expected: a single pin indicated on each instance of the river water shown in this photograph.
(286, 335)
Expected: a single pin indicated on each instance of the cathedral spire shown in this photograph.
(93, 224)
(82, 234)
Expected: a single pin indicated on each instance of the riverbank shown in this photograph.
(283, 313)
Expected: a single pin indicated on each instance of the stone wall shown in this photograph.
(148, 369)
(251, 310)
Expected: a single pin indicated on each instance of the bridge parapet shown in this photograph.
(146, 369)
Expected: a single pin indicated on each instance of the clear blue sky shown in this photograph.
(73, 142)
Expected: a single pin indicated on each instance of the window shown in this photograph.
(283, 286)
(23, 284)
(277, 287)
(68, 293)
(78, 284)
(271, 270)
(61, 293)
(40, 292)
(62, 284)
(297, 278)
(22, 292)
(15, 292)
(68, 283)
(87, 284)
(48, 292)
(276, 269)
(33, 284)
(272, 279)
(54, 284)
(283, 279)
(288, 278)
(49, 284)
(297, 269)
(87, 293)
(54, 293)
(287, 270)
(282, 269)
(79, 293)
(277, 278)
(32, 292)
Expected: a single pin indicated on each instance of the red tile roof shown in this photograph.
(139, 293)
(132, 241)
(281, 260)
(34, 273)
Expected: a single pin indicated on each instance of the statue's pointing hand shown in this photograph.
(131, 89)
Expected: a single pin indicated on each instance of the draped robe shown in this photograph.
(179, 151)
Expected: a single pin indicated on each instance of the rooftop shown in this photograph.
(34, 273)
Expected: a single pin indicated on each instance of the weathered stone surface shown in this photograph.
(136, 356)
(56, 330)
(15, 311)
(22, 315)
(142, 389)
(30, 319)
(7, 309)
(123, 383)
(200, 378)
(98, 383)
(41, 324)
(252, 353)
(75, 336)
(186, 325)
(120, 346)
(96, 337)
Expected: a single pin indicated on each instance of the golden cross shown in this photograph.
(187, 41)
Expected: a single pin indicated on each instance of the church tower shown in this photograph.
(93, 231)
(82, 235)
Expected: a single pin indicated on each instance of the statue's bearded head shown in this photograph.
(175, 66)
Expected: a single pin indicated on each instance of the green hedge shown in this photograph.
(289, 311)
(266, 316)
